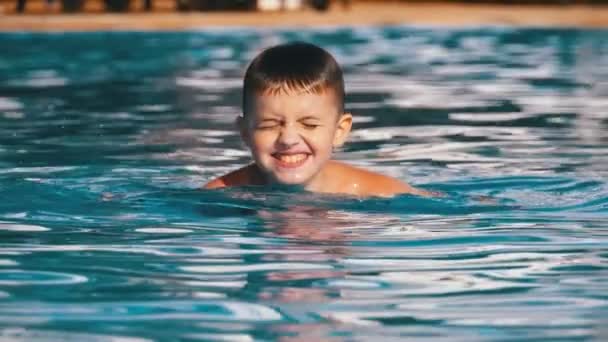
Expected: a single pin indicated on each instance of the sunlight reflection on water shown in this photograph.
(104, 231)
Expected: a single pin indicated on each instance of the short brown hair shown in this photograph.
(296, 66)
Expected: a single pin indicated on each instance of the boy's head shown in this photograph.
(293, 68)
(293, 113)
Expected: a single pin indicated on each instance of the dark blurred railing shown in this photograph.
(73, 6)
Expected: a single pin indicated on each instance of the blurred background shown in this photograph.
(188, 14)
(96, 6)
(75, 6)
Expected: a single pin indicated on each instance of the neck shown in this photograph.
(314, 185)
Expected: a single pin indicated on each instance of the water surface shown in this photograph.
(106, 138)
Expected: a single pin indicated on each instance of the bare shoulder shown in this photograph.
(215, 183)
(246, 175)
(369, 183)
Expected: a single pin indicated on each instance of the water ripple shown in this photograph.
(105, 231)
(167, 310)
(26, 278)
(15, 227)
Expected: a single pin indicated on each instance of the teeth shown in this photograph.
(292, 158)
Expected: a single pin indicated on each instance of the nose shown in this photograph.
(288, 137)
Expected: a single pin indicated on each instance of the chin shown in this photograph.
(291, 181)
(285, 176)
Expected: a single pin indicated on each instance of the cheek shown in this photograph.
(261, 141)
(322, 141)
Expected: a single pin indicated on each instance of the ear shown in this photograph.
(243, 127)
(345, 123)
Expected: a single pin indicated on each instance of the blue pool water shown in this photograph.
(105, 139)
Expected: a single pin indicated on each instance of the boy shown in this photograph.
(293, 117)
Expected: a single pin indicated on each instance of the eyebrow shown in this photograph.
(309, 117)
(265, 118)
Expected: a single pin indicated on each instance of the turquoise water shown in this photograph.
(105, 139)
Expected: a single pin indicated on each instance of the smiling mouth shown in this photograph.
(291, 160)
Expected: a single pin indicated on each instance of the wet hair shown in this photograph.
(293, 67)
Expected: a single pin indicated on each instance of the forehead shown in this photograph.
(292, 103)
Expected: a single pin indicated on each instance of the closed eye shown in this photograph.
(310, 125)
(268, 124)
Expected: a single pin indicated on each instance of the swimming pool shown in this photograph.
(105, 139)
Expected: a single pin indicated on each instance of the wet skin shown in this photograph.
(291, 136)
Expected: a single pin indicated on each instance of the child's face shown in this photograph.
(292, 135)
